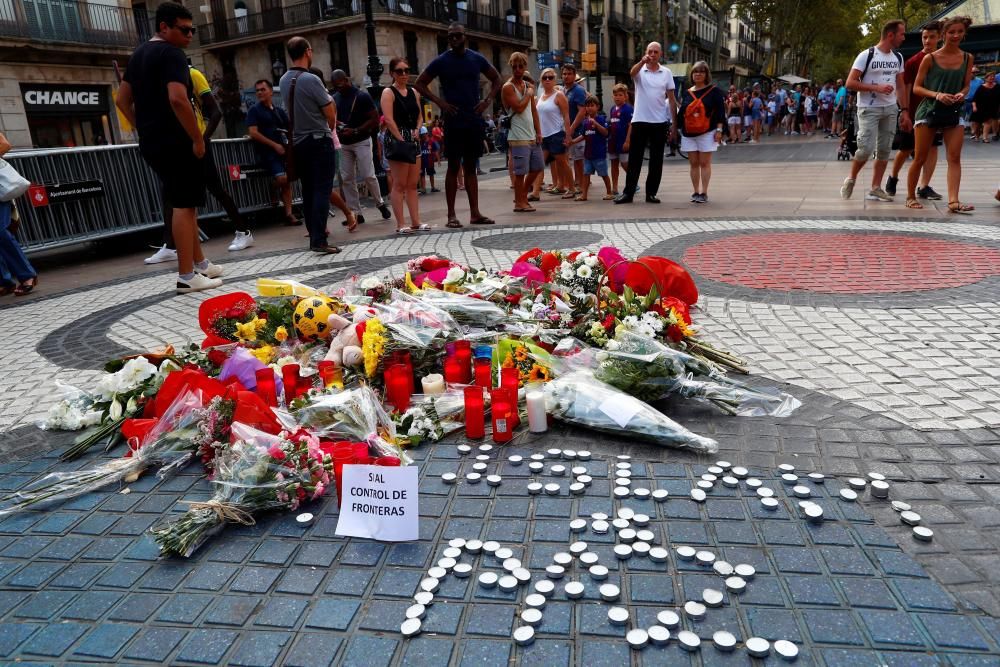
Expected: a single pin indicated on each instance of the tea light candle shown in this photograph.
(432, 384)
(668, 619)
(537, 419)
(304, 520)
(786, 649)
(658, 634)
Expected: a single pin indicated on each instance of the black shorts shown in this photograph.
(463, 143)
(181, 174)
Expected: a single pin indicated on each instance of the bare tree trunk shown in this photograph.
(721, 21)
(681, 24)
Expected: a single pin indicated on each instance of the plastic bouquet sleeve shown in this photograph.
(259, 472)
(581, 399)
(465, 309)
(355, 414)
(740, 401)
(169, 444)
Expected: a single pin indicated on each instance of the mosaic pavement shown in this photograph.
(894, 379)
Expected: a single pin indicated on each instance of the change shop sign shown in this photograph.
(379, 503)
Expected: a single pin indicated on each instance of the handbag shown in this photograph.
(944, 115)
(401, 151)
(12, 184)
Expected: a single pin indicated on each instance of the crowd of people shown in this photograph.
(336, 142)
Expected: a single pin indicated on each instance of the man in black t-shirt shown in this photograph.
(268, 127)
(155, 97)
(357, 122)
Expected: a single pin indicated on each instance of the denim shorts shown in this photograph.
(599, 167)
(553, 143)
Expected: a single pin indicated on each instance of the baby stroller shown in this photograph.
(849, 136)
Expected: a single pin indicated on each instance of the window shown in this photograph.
(410, 49)
(542, 36)
(339, 58)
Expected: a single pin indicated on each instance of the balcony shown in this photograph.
(315, 13)
(621, 22)
(72, 22)
(569, 9)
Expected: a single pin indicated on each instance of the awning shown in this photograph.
(793, 79)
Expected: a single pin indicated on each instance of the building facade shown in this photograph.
(57, 74)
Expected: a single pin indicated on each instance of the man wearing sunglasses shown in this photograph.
(155, 96)
(457, 71)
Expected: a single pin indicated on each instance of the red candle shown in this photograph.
(463, 354)
(484, 372)
(265, 386)
(509, 380)
(453, 371)
(403, 357)
(290, 378)
(500, 413)
(475, 413)
(397, 386)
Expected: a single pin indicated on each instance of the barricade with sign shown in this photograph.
(90, 193)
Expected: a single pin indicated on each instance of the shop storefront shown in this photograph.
(68, 115)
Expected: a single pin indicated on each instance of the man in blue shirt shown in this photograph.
(457, 71)
(268, 127)
(577, 98)
(839, 107)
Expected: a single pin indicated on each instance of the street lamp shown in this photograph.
(375, 68)
(596, 20)
(278, 69)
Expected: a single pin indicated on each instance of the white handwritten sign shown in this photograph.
(379, 503)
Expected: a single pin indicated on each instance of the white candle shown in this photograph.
(537, 421)
(433, 384)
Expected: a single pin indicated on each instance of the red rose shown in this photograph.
(432, 264)
(233, 313)
(573, 255)
(512, 298)
(217, 357)
(262, 315)
(674, 333)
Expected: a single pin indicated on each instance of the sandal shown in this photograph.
(420, 228)
(482, 221)
(352, 224)
(579, 198)
(913, 203)
(26, 287)
(608, 197)
(959, 207)
(534, 198)
(405, 230)
(525, 209)
(555, 191)
(569, 195)
(453, 223)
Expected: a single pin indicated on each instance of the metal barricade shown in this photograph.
(127, 197)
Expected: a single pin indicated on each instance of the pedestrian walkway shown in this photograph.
(884, 326)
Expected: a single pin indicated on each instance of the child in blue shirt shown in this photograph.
(429, 156)
(620, 131)
(595, 153)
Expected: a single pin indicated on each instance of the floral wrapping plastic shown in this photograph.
(464, 309)
(355, 414)
(169, 444)
(259, 472)
(580, 398)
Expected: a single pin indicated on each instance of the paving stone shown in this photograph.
(155, 644)
(485, 653)
(231, 610)
(330, 614)
(106, 641)
(206, 646)
(832, 627)
(313, 649)
(953, 631)
(363, 651)
(259, 649)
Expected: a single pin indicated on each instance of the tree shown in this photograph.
(914, 12)
(722, 9)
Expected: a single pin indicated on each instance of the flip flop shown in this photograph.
(453, 223)
(524, 209)
(534, 198)
(421, 228)
(482, 221)
(26, 287)
(405, 230)
(959, 207)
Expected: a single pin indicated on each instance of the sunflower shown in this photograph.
(521, 353)
(538, 374)
(508, 361)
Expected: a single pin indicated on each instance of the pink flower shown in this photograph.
(320, 490)
(276, 453)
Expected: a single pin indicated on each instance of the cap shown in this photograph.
(423, 131)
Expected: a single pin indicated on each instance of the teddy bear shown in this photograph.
(345, 346)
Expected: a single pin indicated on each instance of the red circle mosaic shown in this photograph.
(841, 263)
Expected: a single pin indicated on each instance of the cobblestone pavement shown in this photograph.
(894, 355)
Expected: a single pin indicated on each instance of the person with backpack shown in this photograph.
(877, 77)
(702, 117)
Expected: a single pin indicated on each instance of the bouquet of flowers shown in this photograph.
(580, 398)
(257, 473)
(354, 414)
(430, 417)
(464, 309)
(170, 444)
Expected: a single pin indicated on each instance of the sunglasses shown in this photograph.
(548, 78)
(186, 30)
(401, 70)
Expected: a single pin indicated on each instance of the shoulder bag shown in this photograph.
(946, 115)
(402, 151)
(290, 172)
(12, 184)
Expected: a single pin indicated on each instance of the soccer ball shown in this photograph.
(311, 315)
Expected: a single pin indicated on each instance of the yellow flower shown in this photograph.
(538, 374)
(508, 361)
(281, 334)
(246, 332)
(259, 324)
(373, 345)
(521, 354)
(264, 353)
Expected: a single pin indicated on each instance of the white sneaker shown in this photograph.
(196, 284)
(878, 194)
(242, 241)
(210, 271)
(162, 254)
(847, 189)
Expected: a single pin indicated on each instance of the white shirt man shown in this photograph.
(877, 76)
(654, 88)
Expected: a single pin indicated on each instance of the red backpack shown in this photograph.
(695, 118)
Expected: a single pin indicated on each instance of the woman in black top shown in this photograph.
(401, 107)
(701, 144)
(985, 105)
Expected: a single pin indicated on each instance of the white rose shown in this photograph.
(482, 275)
(370, 283)
(455, 274)
(613, 345)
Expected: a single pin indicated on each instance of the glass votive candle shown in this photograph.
(475, 413)
(483, 368)
(266, 386)
(290, 378)
(453, 371)
(500, 412)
